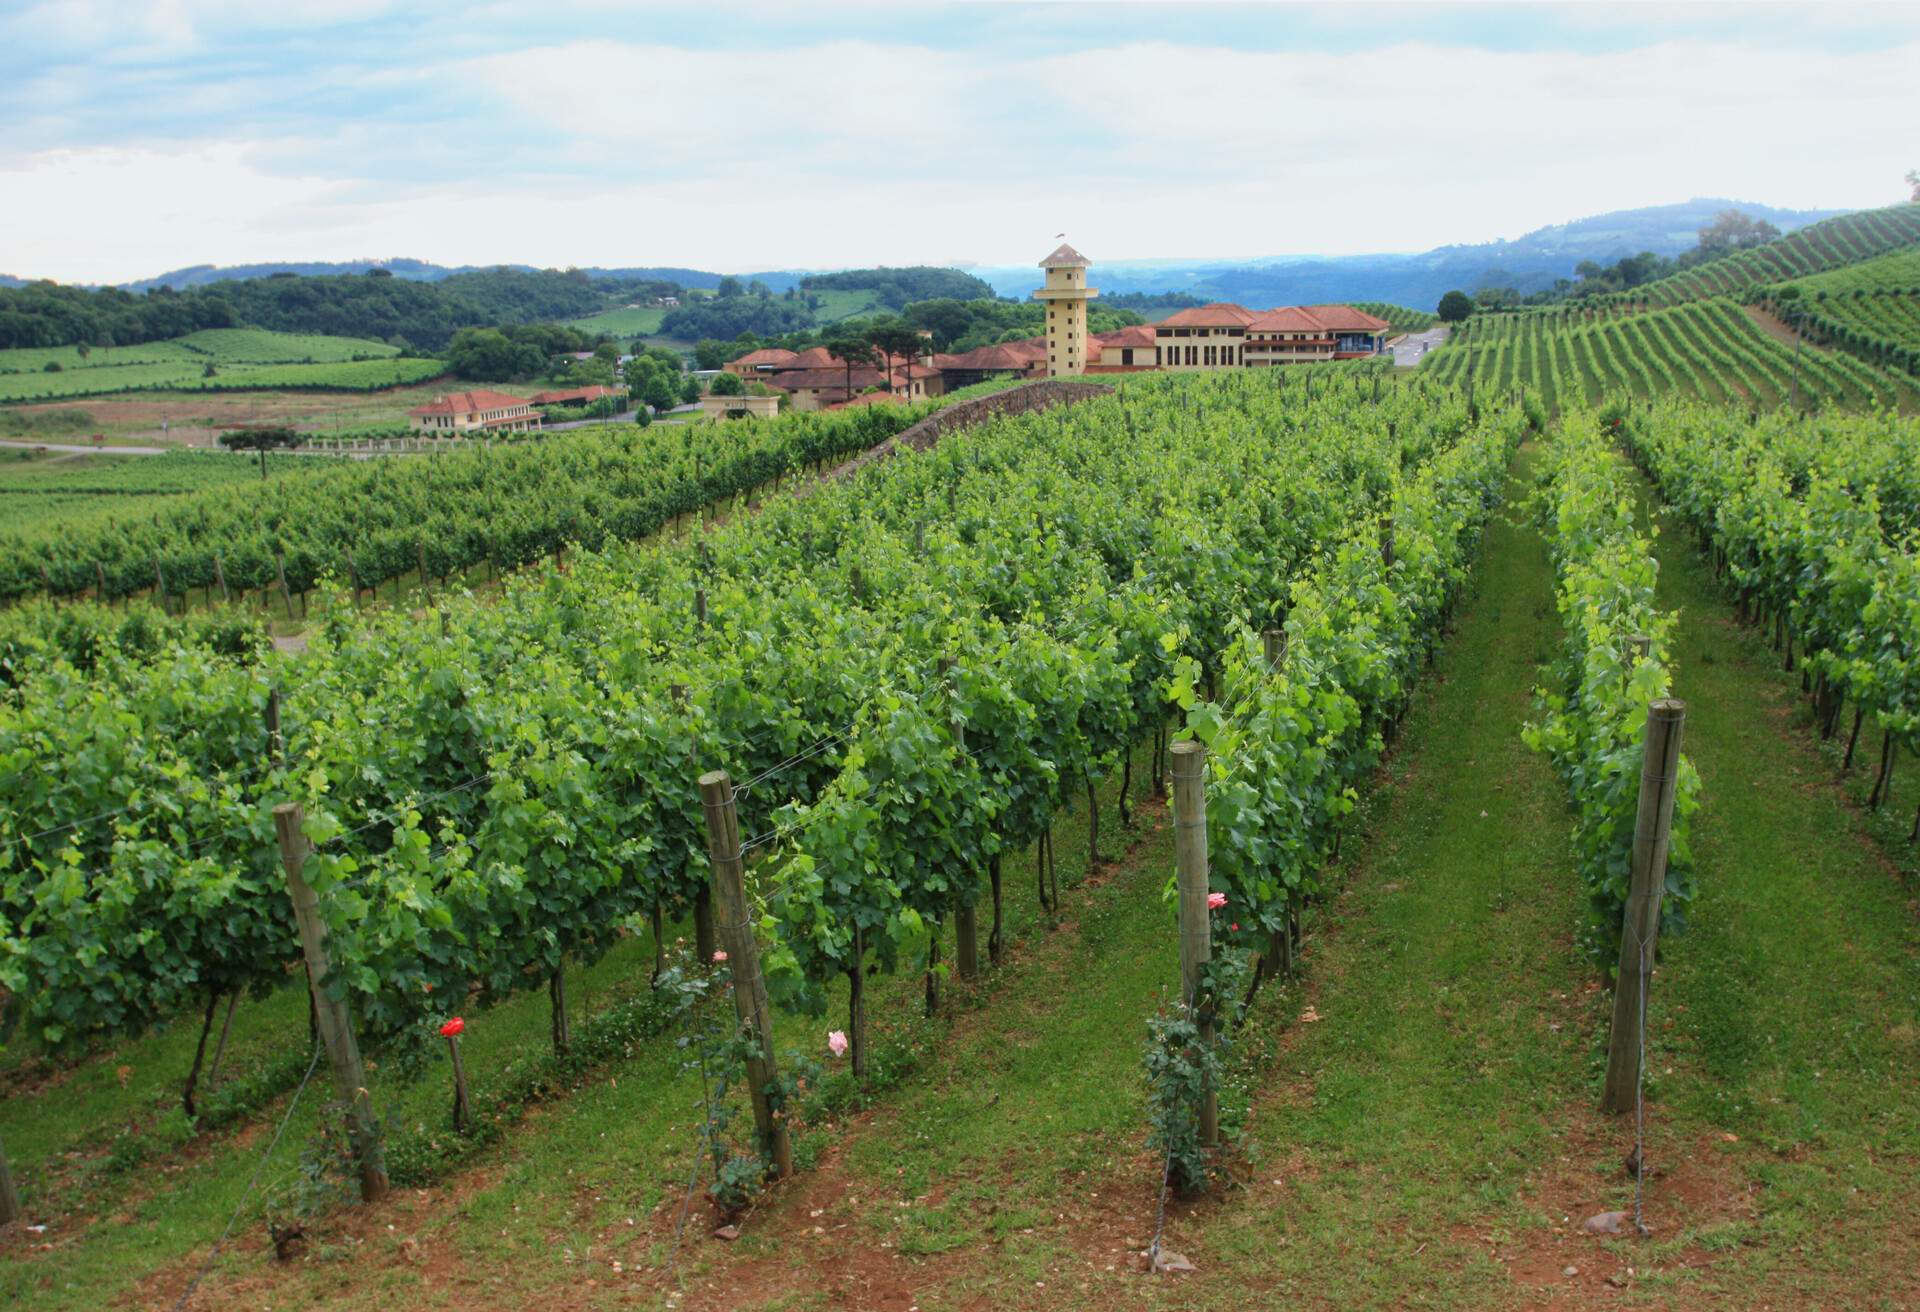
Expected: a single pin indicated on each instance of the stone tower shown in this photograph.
(1065, 296)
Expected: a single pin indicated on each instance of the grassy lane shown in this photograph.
(1795, 1000)
(1411, 1135)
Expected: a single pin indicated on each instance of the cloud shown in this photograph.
(869, 140)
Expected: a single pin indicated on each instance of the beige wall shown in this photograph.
(466, 423)
(1201, 348)
(756, 407)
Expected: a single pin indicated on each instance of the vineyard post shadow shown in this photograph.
(336, 1033)
(1196, 932)
(9, 1199)
(743, 959)
(1639, 932)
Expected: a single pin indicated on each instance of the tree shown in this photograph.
(263, 439)
(729, 288)
(660, 391)
(489, 355)
(642, 416)
(727, 385)
(712, 353)
(1733, 231)
(893, 338)
(1913, 180)
(851, 351)
(1455, 306)
(689, 390)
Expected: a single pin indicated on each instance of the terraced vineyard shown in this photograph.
(1710, 349)
(1848, 240)
(240, 359)
(1404, 319)
(1870, 309)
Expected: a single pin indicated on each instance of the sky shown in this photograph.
(141, 137)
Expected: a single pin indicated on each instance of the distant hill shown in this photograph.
(1530, 263)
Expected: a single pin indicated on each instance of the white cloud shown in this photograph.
(852, 151)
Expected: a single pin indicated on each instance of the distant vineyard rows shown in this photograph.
(1711, 350)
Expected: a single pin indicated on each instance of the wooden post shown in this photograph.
(1659, 773)
(699, 608)
(462, 1110)
(1276, 645)
(1196, 933)
(1386, 541)
(280, 567)
(343, 1053)
(9, 1196)
(220, 577)
(100, 574)
(743, 958)
(966, 910)
(159, 585)
(420, 550)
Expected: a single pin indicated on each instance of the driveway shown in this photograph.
(1408, 350)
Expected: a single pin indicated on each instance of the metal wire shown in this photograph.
(252, 1180)
(805, 754)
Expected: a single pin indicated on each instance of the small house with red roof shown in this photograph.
(469, 412)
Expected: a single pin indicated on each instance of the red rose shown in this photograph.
(452, 1027)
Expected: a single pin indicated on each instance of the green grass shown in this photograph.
(1794, 1002)
(644, 322)
(838, 305)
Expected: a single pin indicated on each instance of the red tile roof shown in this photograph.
(1287, 319)
(835, 379)
(467, 403)
(1221, 314)
(1064, 257)
(593, 393)
(1001, 357)
(765, 355)
(1140, 334)
(1346, 319)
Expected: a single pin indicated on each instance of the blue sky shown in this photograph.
(140, 137)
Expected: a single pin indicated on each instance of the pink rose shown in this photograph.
(1215, 901)
(837, 1043)
(719, 956)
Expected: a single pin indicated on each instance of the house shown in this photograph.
(466, 412)
(1355, 332)
(1024, 359)
(822, 386)
(576, 395)
(764, 360)
(1126, 348)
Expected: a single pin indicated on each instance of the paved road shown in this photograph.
(1408, 350)
(90, 449)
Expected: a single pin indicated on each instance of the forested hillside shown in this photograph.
(374, 305)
